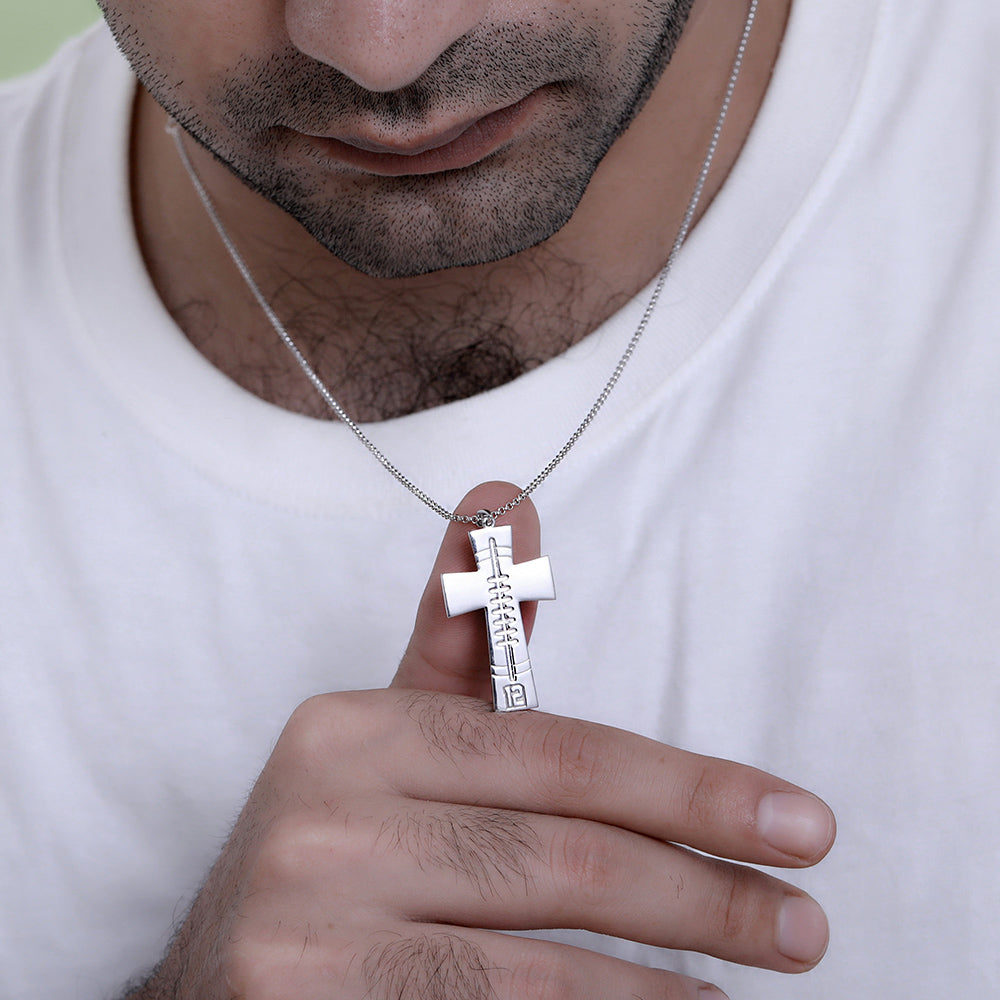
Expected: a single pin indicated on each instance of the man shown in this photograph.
(776, 543)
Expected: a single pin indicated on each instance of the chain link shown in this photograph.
(485, 518)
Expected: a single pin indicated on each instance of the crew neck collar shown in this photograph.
(317, 466)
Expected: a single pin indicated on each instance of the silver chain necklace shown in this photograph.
(498, 585)
(483, 518)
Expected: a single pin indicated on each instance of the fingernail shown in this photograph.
(803, 932)
(795, 823)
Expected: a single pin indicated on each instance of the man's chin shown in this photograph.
(393, 261)
(405, 248)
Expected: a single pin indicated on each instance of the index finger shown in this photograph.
(451, 749)
(451, 654)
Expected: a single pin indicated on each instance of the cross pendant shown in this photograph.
(499, 585)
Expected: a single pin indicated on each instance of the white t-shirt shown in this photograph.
(782, 534)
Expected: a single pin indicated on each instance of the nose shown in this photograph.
(380, 44)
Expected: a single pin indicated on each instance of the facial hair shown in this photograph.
(252, 118)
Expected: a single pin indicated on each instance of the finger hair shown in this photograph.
(491, 848)
(460, 727)
(428, 967)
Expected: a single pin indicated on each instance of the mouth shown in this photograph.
(452, 148)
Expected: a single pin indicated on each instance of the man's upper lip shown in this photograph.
(409, 145)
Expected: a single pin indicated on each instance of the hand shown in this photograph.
(393, 833)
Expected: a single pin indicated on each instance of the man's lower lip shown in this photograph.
(479, 140)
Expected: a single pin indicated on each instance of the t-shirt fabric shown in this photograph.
(778, 542)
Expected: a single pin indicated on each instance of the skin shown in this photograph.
(378, 343)
(393, 833)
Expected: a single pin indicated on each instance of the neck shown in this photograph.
(389, 347)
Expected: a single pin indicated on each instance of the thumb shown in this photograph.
(451, 655)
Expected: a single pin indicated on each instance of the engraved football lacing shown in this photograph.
(502, 609)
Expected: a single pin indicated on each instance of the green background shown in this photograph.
(31, 30)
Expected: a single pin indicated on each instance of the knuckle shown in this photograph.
(286, 852)
(300, 847)
(572, 766)
(552, 977)
(249, 970)
(735, 909)
(329, 727)
(702, 796)
(590, 862)
(276, 960)
(308, 732)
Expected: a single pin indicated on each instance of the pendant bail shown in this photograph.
(484, 519)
